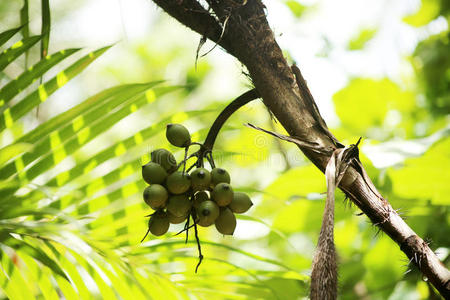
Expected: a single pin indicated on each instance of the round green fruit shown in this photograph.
(178, 135)
(201, 178)
(222, 194)
(226, 222)
(207, 212)
(155, 196)
(176, 220)
(158, 223)
(241, 203)
(178, 182)
(165, 158)
(153, 173)
(219, 175)
(199, 198)
(179, 205)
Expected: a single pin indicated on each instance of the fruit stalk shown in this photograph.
(225, 114)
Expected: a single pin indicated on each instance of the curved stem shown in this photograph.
(226, 113)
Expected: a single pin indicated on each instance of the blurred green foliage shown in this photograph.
(72, 212)
(432, 64)
(364, 36)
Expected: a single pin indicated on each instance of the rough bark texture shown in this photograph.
(241, 28)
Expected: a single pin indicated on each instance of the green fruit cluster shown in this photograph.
(205, 195)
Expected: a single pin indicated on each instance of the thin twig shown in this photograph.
(200, 255)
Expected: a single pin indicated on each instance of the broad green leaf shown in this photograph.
(364, 103)
(383, 271)
(272, 229)
(298, 182)
(428, 11)
(10, 115)
(255, 144)
(9, 55)
(15, 86)
(6, 35)
(299, 215)
(358, 42)
(425, 177)
(295, 7)
(45, 28)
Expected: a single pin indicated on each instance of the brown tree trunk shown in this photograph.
(241, 28)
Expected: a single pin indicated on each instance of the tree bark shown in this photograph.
(241, 28)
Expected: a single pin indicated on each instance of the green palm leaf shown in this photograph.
(36, 253)
(26, 78)
(9, 55)
(45, 28)
(6, 35)
(10, 115)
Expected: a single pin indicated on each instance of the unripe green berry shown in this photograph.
(155, 196)
(241, 203)
(207, 213)
(222, 194)
(199, 198)
(201, 178)
(178, 135)
(158, 223)
(226, 222)
(219, 175)
(179, 205)
(165, 158)
(153, 173)
(176, 220)
(178, 182)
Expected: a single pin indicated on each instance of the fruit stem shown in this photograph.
(225, 114)
(185, 158)
(200, 255)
